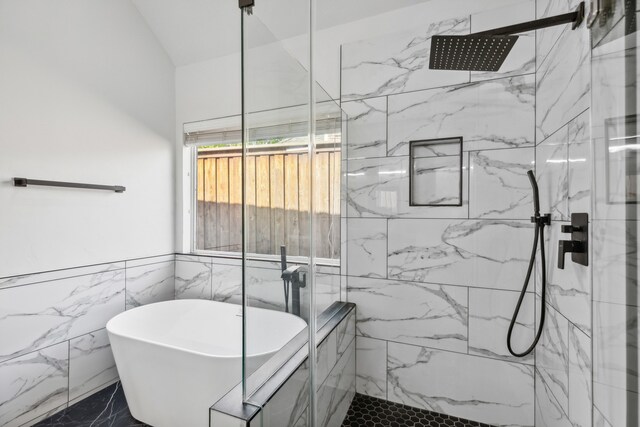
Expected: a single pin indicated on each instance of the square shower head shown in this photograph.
(470, 53)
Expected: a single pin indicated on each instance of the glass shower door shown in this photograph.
(616, 141)
(277, 195)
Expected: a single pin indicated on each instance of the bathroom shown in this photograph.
(290, 213)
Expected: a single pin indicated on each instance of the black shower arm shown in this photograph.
(567, 18)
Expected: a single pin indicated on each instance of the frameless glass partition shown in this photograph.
(291, 156)
(615, 145)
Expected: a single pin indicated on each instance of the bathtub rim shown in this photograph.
(109, 328)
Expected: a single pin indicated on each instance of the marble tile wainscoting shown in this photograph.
(436, 287)
(54, 349)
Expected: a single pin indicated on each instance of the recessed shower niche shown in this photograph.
(435, 172)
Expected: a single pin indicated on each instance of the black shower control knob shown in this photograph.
(568, 228)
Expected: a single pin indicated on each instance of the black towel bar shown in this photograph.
(23, 182)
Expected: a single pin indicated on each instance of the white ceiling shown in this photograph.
(196, 30)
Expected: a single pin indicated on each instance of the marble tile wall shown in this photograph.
(54, 349)
(436, 287)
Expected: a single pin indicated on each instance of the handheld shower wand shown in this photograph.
(540, 222)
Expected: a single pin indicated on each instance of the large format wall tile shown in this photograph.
(477, 388)
(484, 253)
(193, 279)
(549, 413)
(552, 174)
(414, 313)
(580, 165)
(366, 128)
(35, 316)
(563, 76)
(226, 281)
(475, 111)
(568, 289)
(290, 402)
(371, 365)
(336, 394)
(150, 283)
(552, 357)
(91, 364)
(499, 186)
(580, 389)
(397, 63)
(33, 384)
(30, 279)
(490, 313)
(367, 247)
(379, 187)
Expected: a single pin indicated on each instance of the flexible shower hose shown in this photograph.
(540, 222)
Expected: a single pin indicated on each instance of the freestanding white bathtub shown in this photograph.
(177, 358)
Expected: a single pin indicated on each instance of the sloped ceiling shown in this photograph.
(196, 30)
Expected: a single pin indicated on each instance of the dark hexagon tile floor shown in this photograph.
(372, 412)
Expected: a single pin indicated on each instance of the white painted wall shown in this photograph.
(87, 95)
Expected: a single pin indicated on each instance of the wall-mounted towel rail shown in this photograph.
(23, 182)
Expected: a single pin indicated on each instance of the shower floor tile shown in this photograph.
(374, 412)
(107, 407)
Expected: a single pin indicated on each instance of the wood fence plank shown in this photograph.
(222, 185)
(321, 204)
(277, 202)
(334, 189)
(199, 232)
(210, 210)
(304, 203)
(292, 225)
(251, 218)
(263, 210)
(235, 204)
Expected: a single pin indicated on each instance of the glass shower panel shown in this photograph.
(615, 145)
(277, 158)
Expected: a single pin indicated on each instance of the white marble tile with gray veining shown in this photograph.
(366, 128)
(397, 62)
(480, 253)
(477, 388)
(615, 258)
(49, 276)
(33, 384)
(337, 392)
(150, 283)
(580, 165)
(552, 356)
(326, 358)
(475, 111)
(91, 364)
(36, 316)
(346, 332)
(552, 174)
(413, 313)
(614, 338)
(568, 289)
(522, 58)
(371, 367)
(547, 38)
(549, 413)
(490, 313)
(379, 187)
(290, 402)
(580, 395)
(367, 247)
(226, 280)
(499, 184)
(193, 280)
(563, 78)
(150, 260)
(327, 289)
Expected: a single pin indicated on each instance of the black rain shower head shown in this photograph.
(487, 50)
(470, 53)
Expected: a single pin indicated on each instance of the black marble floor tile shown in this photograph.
(106, 408)
(373, 412)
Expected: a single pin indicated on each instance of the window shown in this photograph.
(277, 185)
